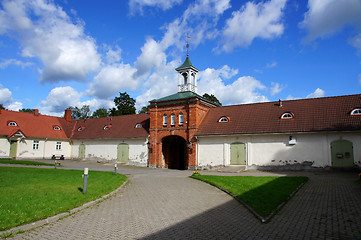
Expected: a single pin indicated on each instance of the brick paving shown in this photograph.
(166, 204)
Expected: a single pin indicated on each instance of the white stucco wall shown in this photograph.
(46, 148)
(274, 149)
(4, 147)
(106, 150)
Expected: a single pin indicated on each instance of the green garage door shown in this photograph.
(123, 152)
(81, 153)
(13, 148)
(238, 154)
(342, 153)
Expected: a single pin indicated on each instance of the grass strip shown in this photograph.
(32, 163)
(262, 194)
(31, 194)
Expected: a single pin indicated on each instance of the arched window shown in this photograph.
(181, 119)
(14, 124)
(106, 127)
(57, 128)
(165, 120)
(223, 119)
(172, 119)
(80, 129)
(287, 115)
(356, 111)
(138, 125)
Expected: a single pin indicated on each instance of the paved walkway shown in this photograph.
(166, 204)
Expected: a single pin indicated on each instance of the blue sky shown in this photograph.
(60, 53)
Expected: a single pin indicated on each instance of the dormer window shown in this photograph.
(106, 127)
(80, 129)
(356, 111)
(287, 115)
(57, 128)
(165, 120)
(13, 124)
(223, 119)
(181, 119)
(138, 125)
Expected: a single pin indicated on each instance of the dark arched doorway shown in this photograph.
(173, 149)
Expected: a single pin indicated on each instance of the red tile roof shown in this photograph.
(119, 127)
(310, 115)
(33, 125)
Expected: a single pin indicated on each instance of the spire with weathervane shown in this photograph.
(187, 75)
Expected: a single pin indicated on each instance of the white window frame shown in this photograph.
(356, 111)
(223, 119)
(172, 119)
(80, 129)
(13, 124)
(56, 128)
(287, 115)
(138, 125)
(181, 119)
(58, 146)
(165, 120)
(106, 127)
(35, 144)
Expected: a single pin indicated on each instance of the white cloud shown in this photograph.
(15, 106)
(317, 93)
(112, 79)
(113, 55)
(59, 99)
(262, 20)
(5, 96)
(243, 90)
(271, 65)
(275, 88)
(138, 5)
(325, 17)
(46, 32)
(8, 62)
(356, 42)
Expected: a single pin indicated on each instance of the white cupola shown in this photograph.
(187, 77)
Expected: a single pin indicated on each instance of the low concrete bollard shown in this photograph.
(85, 182)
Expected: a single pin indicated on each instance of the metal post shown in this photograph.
(85, 183)
(56, 162)
(115, 169)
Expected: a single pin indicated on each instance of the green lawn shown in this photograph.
(33, 163)
(262, 194)
(30, 194)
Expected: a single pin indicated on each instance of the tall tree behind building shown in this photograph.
(212, 98)
(124, 105)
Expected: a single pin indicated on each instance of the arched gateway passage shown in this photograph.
(174, 152)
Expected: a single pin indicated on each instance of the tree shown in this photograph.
(28, 110)
(2, 107)
(80, 113)
(124, 105)
(212, 98)
(100, 113)
(144, 109)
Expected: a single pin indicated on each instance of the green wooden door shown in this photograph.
(81, 153)
(13, 148)
(123, 152)
(342, 153)
(238, 154)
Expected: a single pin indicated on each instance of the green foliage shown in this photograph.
(28, 110)
(31, 194)
(2, 107)
(212, 98)
(124, 105)
(80, 113)
(100, 113)
(263, 194)
(33, 163)
(144, 109)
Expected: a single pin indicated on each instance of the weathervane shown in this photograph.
(187, 44)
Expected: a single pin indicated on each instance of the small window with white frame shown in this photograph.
(165, 120)
(12, 123)
(36, 144)
(181, 119)
(172, 119)
(287, 115)
(223, 119)
(138, 125)
(356, 111)
(57, 128)
(58, 146)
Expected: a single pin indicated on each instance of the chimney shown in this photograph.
(36, 112)
(280, 102)
(67, 115)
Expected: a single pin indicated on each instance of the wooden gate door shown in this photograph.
(81, 153)
(342, 153)
(123, 152)
(238, 154)
(13, 148)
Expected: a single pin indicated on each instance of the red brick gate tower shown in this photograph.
(174, 120)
